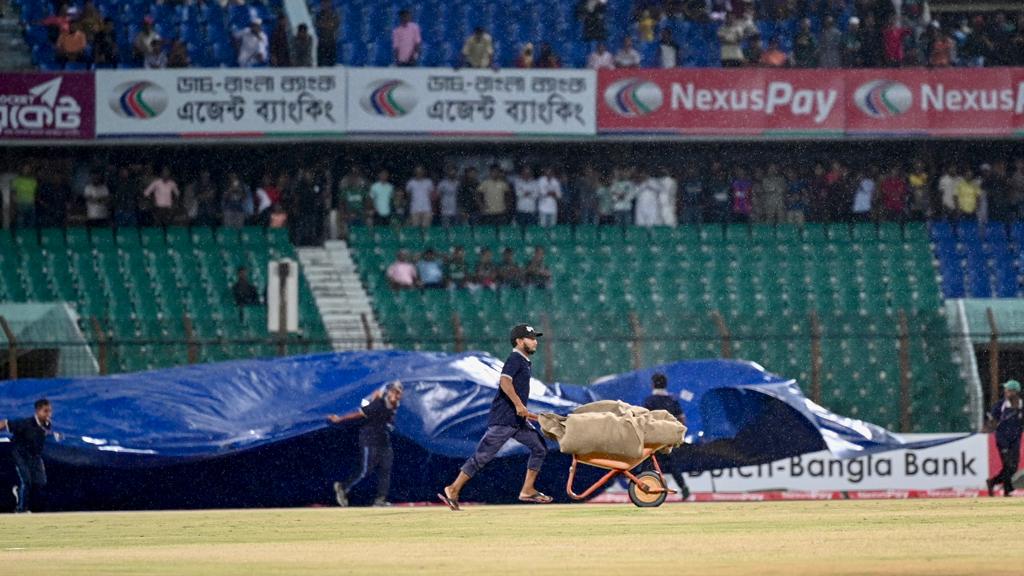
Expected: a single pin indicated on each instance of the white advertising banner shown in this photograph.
(220, 102)
(471, 101)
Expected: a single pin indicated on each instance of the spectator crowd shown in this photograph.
(430, 270)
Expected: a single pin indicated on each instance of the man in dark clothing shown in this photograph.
(1007, 419)
(244, 292)
(660, 399)
(28, 442)
(377, 419)
(508, 420)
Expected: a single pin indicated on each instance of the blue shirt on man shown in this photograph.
(29, 436)
(664, 402)
(503, 411)
(1009, 422)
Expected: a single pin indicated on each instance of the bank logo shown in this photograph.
(138, 100)
(388, 98)
(882, 99)
(633, 97)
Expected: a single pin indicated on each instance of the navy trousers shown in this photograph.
(496, 437)
(31, 480)
(377, 458)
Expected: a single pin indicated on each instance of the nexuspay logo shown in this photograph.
(388, 98)
(138, 100)
(882, 99)
(632, 97)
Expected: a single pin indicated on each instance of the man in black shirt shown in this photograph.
(374, 443)
(244, 292)
(29, 438)
(660, 399)
(1007, 420)
(507, 421)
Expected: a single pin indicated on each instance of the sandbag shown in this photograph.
(612, 427)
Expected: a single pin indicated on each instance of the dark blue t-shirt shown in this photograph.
(503, 411)
(377, 424)
(666, 403)
(1009, 423)
(29, 436)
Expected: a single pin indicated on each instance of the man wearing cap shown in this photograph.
(660, 399)
(253, 45)
(508, 421)
(374, 442)
(1007, 418)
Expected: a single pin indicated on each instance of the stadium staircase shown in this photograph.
(141, 284)
(674, 290)
(14, 53)
(340, 297)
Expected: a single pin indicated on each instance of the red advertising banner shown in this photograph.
(36, 106)
(760, 102)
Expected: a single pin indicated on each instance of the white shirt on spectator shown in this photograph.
(627, 58)
(420, 191)
(667, 200)
(863, 196)
(96, 201)
(527, 194)
(947, 186)
(550, 190)
(252, 47)
(163, 192)
(602, 61)
(648, 209)
(669, 55)
(449, 192)
(262, 200)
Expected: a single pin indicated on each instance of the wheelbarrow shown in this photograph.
(646, 489)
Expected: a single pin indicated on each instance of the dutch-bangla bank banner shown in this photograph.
(755, 102)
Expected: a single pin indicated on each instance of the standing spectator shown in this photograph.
(164, 192)
(864, 196)
(124, 192)
(527, 190)
(510, 275)
(280, 44)
(302, 47)
(177, 56)
(730, 39)
(156, 59)
(586, 188)
(549, 194)
(478, 50)
(600, 58)
(771, 202)
(548, 58)
(605, 204)
(494, 192)
(919, 182)
(382, 194)
(310, 203)
(104, 45)
(267, 196)
(353, 198)
(469, 197)
(948, 184)
(537, 273)
(754, 52)
(429, 271)
(817, 198)
(25, 189)
(486, 274)
(974, 45)
(1017, 180)
(805, 46)
(97, 200)
(796, 196)
(252, 45)
(968, 195)
(1006, 419)
(244, 292)
(623, 192)
(852, 45)
(457, 271)
(939, 47)
(448, 194)
(401, 273)
(91, 20)
(592, 14)
(236, 203)
(406, 40)
(839, 192)
(774, 56)
(71, 45)
(999, 34)
(830, 45)
(645, 24)
(327, 24)
(668, 50)
(142, 44)
(668, 198)
(893, 37)
(872, 49)
(204, 194)
(421, 198)
(525, 58)
(648, 190)
(627, 56)
(997, 190)
(693, 195)
(719, 187)
(894, 195)
(742, 192)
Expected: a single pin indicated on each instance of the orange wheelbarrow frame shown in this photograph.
(617, 466)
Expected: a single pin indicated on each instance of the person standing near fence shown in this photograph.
(29, 438)
(1007, 420)
(660, 399)
(376, 420)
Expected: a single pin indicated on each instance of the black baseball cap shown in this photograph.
(523, 331)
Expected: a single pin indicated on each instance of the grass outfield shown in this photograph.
(954, 536)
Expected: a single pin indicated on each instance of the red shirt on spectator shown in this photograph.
(894, 194)
(892, 40)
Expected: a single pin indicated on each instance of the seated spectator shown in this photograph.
(510, 275)
(71, 44)
(774, 57)
(429, 270)
(548, 58)
(142, 44)
(600, 58)
(668, 50)
(302, 47)
(280, 44)
(627, 56)
(478, 51)
(457, 270)
(156, 59)
(253, 45)
(278, 217)
(104, 46)
(486, 272)
(244, 292)
(406, 40)
(525, 58)
(537, 273)
(178, 55)
(805, 46)
(402, 273)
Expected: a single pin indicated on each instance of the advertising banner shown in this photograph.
(466, 102)
(36, 106)
(220, 102)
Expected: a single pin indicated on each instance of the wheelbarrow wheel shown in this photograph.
(651, 481)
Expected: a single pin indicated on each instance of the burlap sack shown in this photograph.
(602, 432)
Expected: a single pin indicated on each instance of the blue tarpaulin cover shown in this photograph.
(180, 418)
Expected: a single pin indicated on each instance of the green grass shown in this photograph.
(964, 536)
